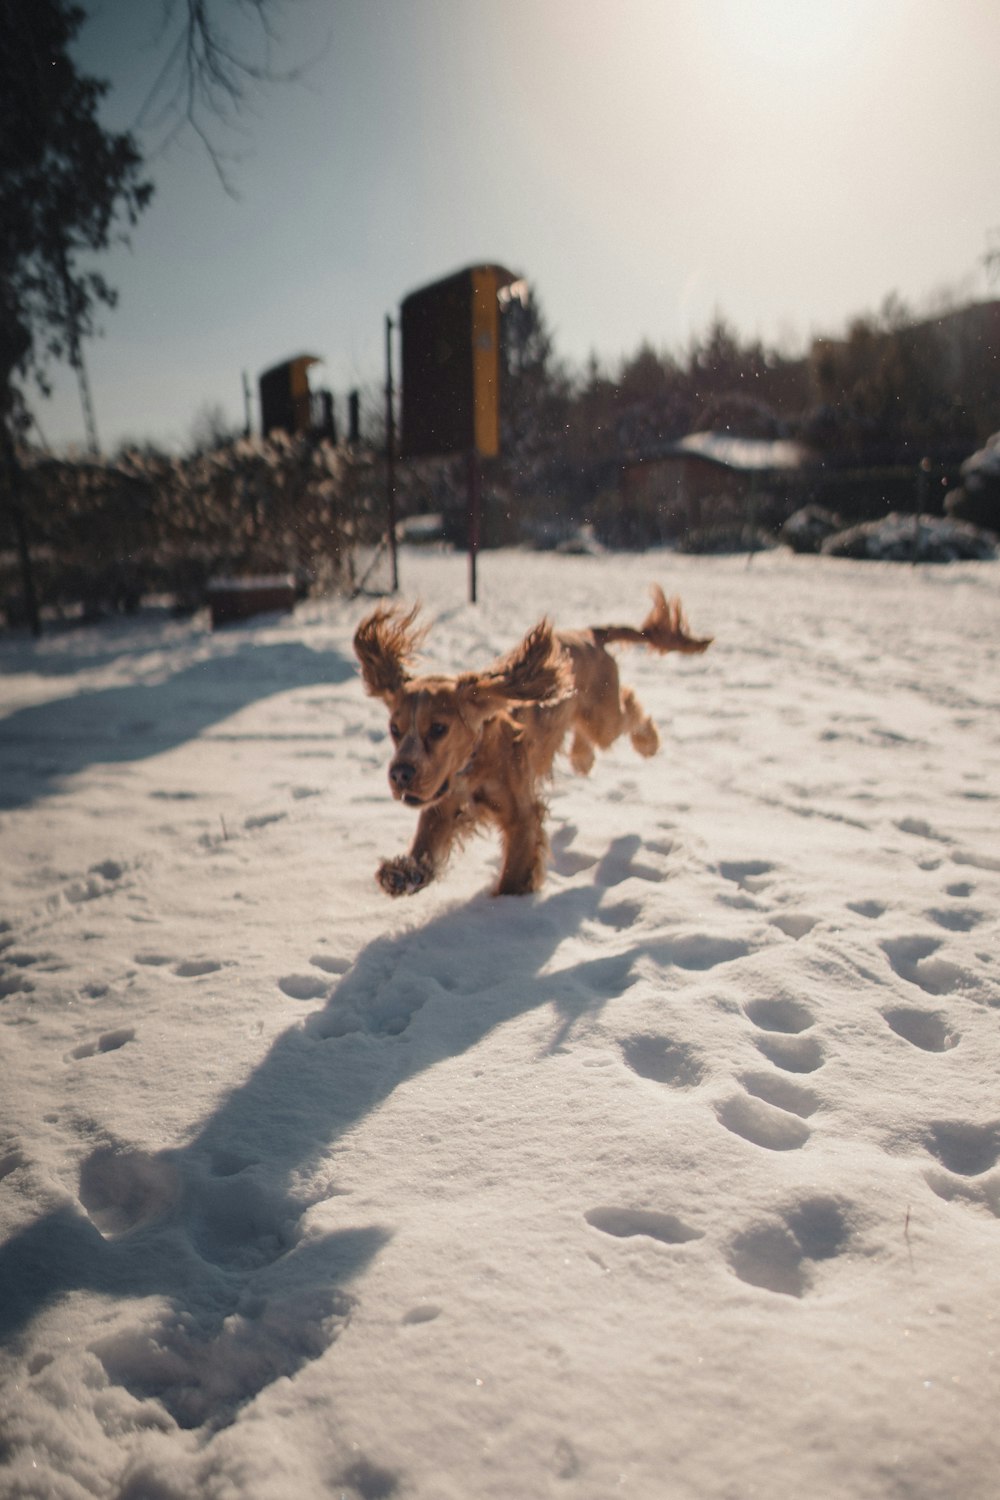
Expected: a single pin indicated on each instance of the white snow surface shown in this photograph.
(678, 1180)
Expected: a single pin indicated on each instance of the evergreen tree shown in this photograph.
(66, 185)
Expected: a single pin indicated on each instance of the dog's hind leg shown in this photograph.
(581, 753)
(642, 731)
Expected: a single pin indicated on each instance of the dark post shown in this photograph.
(12, 465)
(390, 456)
(923, 478)
(474, 480)
(247, 416)
(76, 354)
(751, 519)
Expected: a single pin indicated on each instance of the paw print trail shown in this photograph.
(681, 1170)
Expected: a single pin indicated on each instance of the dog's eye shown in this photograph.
(394, 731)
(437, 731)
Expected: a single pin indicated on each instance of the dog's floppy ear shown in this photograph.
(534, 672)
(385, 644)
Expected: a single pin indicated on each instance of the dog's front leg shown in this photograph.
(409, 873)
(525, 851)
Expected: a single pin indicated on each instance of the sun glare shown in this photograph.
(792, 33)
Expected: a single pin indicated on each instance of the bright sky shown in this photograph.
(645, 163)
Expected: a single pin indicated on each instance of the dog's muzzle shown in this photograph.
(401, 783)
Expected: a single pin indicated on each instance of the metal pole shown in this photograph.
(474, 480)
(247, 411)
(86, 400)
(13, 468)
(390, 456)
(76, 355)
(923, 475)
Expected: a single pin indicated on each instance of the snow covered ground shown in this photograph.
(678, 1181)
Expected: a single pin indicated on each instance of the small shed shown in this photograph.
(705, 478)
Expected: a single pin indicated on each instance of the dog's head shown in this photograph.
(436, 722)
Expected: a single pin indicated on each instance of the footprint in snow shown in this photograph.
(228, 1163)
(18, 959)
(311, 986)
(779, 1254)
(232, 1218)
(982, 1194)
(782, 1093)
(748, 874)
(196, 968)
(261, 820)
(922, 1028)
(424, 1312)
(966, 1149)
(204, 1370)
(625, 791)
(795, 1054)
(976, 861)
(236, 1220)
(10, 1160)
(303, 986)
(330, 963)
(102, 879)
(701, 950)
(625, 1223)
(90, 888)
(369, 1481)
(871, 910)
(913, 959)
(794, 924)
(782, 1024)
(956, 918)
(109, 1041)
(15, 984)
(789, 1017)
(775, 1129)
(918, 828)
(122, 1188)
(663, 1060)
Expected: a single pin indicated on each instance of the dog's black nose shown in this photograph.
(401, 775)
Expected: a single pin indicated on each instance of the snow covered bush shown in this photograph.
(105, 532)
(978, 498)
(903, 538)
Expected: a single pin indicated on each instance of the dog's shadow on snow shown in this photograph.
(219, 1230)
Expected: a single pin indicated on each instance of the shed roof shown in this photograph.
(743, 454)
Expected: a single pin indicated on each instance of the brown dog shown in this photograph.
(471, 749)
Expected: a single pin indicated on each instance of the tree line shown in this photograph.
(893, 391)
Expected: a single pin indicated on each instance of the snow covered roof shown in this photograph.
(739, 452)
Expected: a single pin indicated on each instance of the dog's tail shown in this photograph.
(665, 628)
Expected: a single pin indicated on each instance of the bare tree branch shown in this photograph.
(206, 80)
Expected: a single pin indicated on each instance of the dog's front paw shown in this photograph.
(404, 875)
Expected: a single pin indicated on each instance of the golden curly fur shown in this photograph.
(471, 749)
